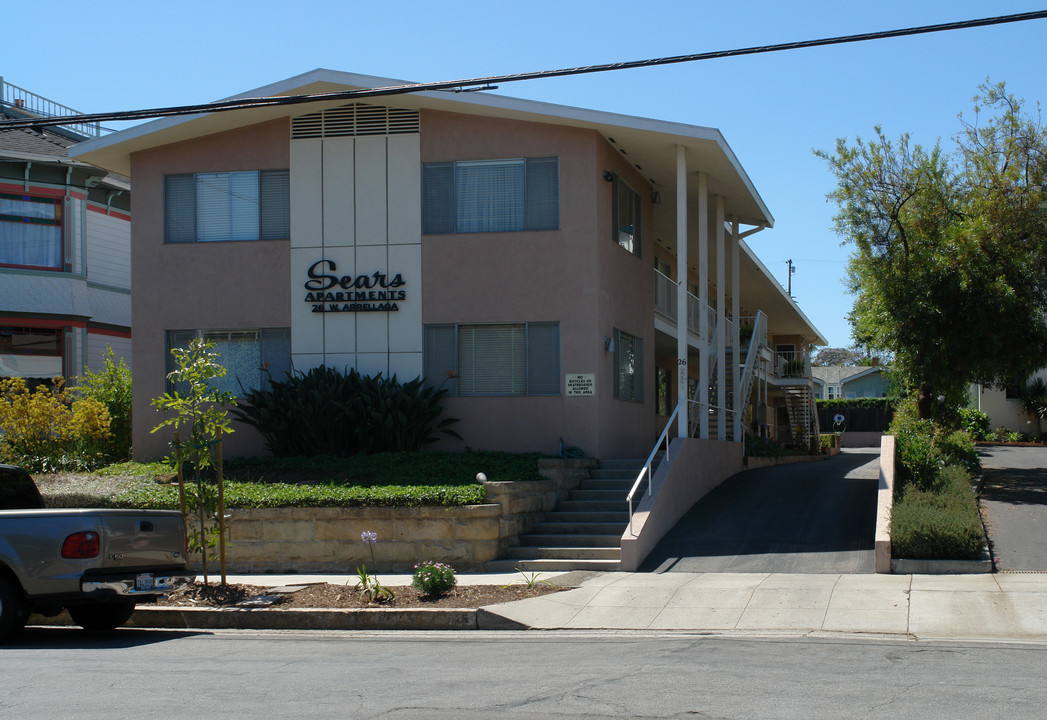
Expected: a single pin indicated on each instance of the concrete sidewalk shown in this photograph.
(985, 607)
(1005, 606)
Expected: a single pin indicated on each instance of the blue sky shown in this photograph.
(772, 109)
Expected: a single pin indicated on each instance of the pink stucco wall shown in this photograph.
(199, 285)
(577, 275)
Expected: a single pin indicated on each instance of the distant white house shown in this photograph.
(838, 381)
(1004, 407)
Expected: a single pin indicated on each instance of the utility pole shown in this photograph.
(792, 270)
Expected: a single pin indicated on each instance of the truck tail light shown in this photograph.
(81, 545)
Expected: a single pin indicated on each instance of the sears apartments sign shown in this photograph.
(330, 293)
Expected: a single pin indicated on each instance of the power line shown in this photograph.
(487, 82)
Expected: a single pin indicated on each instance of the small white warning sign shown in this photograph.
(580, 384)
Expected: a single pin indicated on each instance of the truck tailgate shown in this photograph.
(137, 539)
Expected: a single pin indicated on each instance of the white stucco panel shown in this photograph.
(306, 193)
(371, 196)
(339, 182)
(405, 189)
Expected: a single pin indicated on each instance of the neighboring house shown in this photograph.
(838, 381)
(528, 257)
(1005, 407)
(65, 249)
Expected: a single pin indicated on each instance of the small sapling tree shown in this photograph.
(196, 404)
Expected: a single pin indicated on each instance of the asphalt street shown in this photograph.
(816, 517)
(56, 673)
(1014, 496)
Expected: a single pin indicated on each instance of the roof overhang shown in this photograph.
(650, 144)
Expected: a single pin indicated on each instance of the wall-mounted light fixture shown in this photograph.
(656, 197)
(608, 176)
(608, 344)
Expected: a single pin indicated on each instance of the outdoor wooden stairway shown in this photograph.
(584, 531)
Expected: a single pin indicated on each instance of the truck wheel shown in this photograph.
(101, 615)
(12, 609)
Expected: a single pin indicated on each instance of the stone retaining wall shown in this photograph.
(328, 539)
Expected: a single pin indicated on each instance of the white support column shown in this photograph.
(721, 325)
(681, 290)
(736, 356)
(703, 296)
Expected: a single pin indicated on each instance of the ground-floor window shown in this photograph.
(494, 358)
(250, 356)
(31, 352)
(628, 366)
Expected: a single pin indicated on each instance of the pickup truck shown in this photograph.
(94, 563)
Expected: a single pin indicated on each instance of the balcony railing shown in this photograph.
(792, 364)
(30, 104)
(665, 306)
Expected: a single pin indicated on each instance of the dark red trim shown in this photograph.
(106, 331)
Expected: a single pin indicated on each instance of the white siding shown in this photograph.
(96, 347)
(108, 250)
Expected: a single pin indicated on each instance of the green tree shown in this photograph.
(835, 356)
(950, 252)
(111, 386)
(197, 405)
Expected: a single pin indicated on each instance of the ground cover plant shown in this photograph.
(935, 513)
(382, 480)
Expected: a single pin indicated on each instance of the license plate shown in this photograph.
(144, 581)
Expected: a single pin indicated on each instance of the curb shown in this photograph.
(236, 618)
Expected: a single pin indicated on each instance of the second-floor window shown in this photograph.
(30, 232)
(227, 206)
(626, 213)
(491, 196)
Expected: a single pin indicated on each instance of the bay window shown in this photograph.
(30, 231)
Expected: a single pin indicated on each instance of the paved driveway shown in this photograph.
(1015, 499)
(816, 517)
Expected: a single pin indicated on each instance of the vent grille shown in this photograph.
(353, 120)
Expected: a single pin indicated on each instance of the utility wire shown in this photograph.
(483, 83)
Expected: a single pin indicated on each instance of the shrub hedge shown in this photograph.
(942, 524)
(276, 495)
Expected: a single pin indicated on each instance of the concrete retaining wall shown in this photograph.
(328, 539)
(884, 501)
(695, 468)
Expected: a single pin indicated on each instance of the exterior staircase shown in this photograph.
(799, 403)
(584, 531)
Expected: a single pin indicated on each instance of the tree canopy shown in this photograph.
(949, 268)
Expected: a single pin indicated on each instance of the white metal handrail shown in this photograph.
(647, 471)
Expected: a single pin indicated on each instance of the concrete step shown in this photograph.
(562, 516)
(592, 505)
(520, 552)
(625, 474)
(627, 464)
(621, 485)
(572, 540)
(549, 565)
(581, 528)
(587, 495)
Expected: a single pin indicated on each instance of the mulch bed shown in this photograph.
(325, 595)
